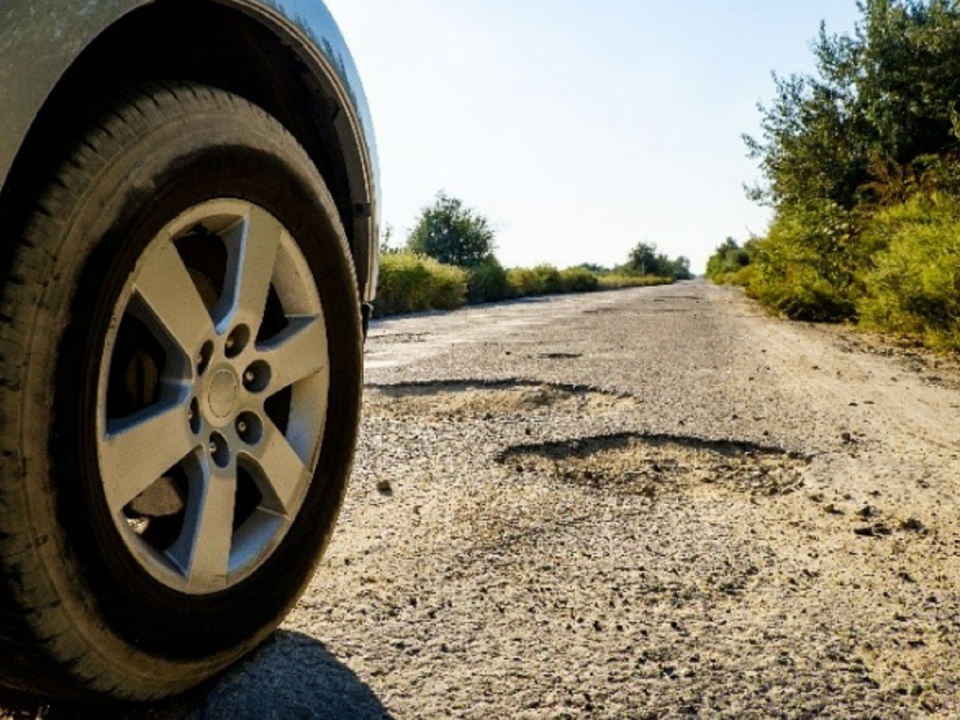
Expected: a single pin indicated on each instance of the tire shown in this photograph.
(180, 379)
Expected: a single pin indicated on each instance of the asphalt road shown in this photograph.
(645, 503)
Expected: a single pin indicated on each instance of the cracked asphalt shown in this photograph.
(646, 503)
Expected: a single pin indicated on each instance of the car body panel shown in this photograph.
(40, 39)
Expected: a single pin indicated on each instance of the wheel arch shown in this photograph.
(292, 63)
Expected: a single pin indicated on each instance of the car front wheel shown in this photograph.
(180, 374)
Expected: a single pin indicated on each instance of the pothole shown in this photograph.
(488, 400)
(654, 465)
(559, 356)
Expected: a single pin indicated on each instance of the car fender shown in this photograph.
(47, 36)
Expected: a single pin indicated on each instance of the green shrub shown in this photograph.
(804, 294)
(914, 285)
(550, 278)
(577, 280)
(524, 281)
(740, 278)
(538, 280)
(729, 259)
(413, 283)
(487, 282)
(616, 281)
(809, 264)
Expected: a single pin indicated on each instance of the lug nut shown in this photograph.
(237, 341)
(256, 378)
(193, 417)
(219, 450)
(250, 428)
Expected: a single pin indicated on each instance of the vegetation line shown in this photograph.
(861, 165)
(449, 262)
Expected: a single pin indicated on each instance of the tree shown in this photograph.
(680, 269)
(885, 96)
(645, 259)
(595, 268)
(386, 243)
(816, 141)
(452, 233)
(729, 257)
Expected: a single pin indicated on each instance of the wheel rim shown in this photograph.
(212, 396)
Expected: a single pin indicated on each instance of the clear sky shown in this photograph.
(579, 127)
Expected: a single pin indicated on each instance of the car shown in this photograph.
(188, 254)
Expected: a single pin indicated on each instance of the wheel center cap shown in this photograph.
(222, 395)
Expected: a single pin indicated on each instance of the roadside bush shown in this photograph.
(873, 128)
(730, 258)
(524, 281)
(741, 278)
(413, 283)
(808, 265)
(538, 280)
(487, 282)
(550, 278)
(577, 280)
(617, 281)
(914, 286)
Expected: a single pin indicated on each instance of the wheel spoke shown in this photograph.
(282, 472)
(203, 549)
(138, 450)
(296, 353)
(165, 286)
(252, 260)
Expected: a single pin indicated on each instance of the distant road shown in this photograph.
(653, 502)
